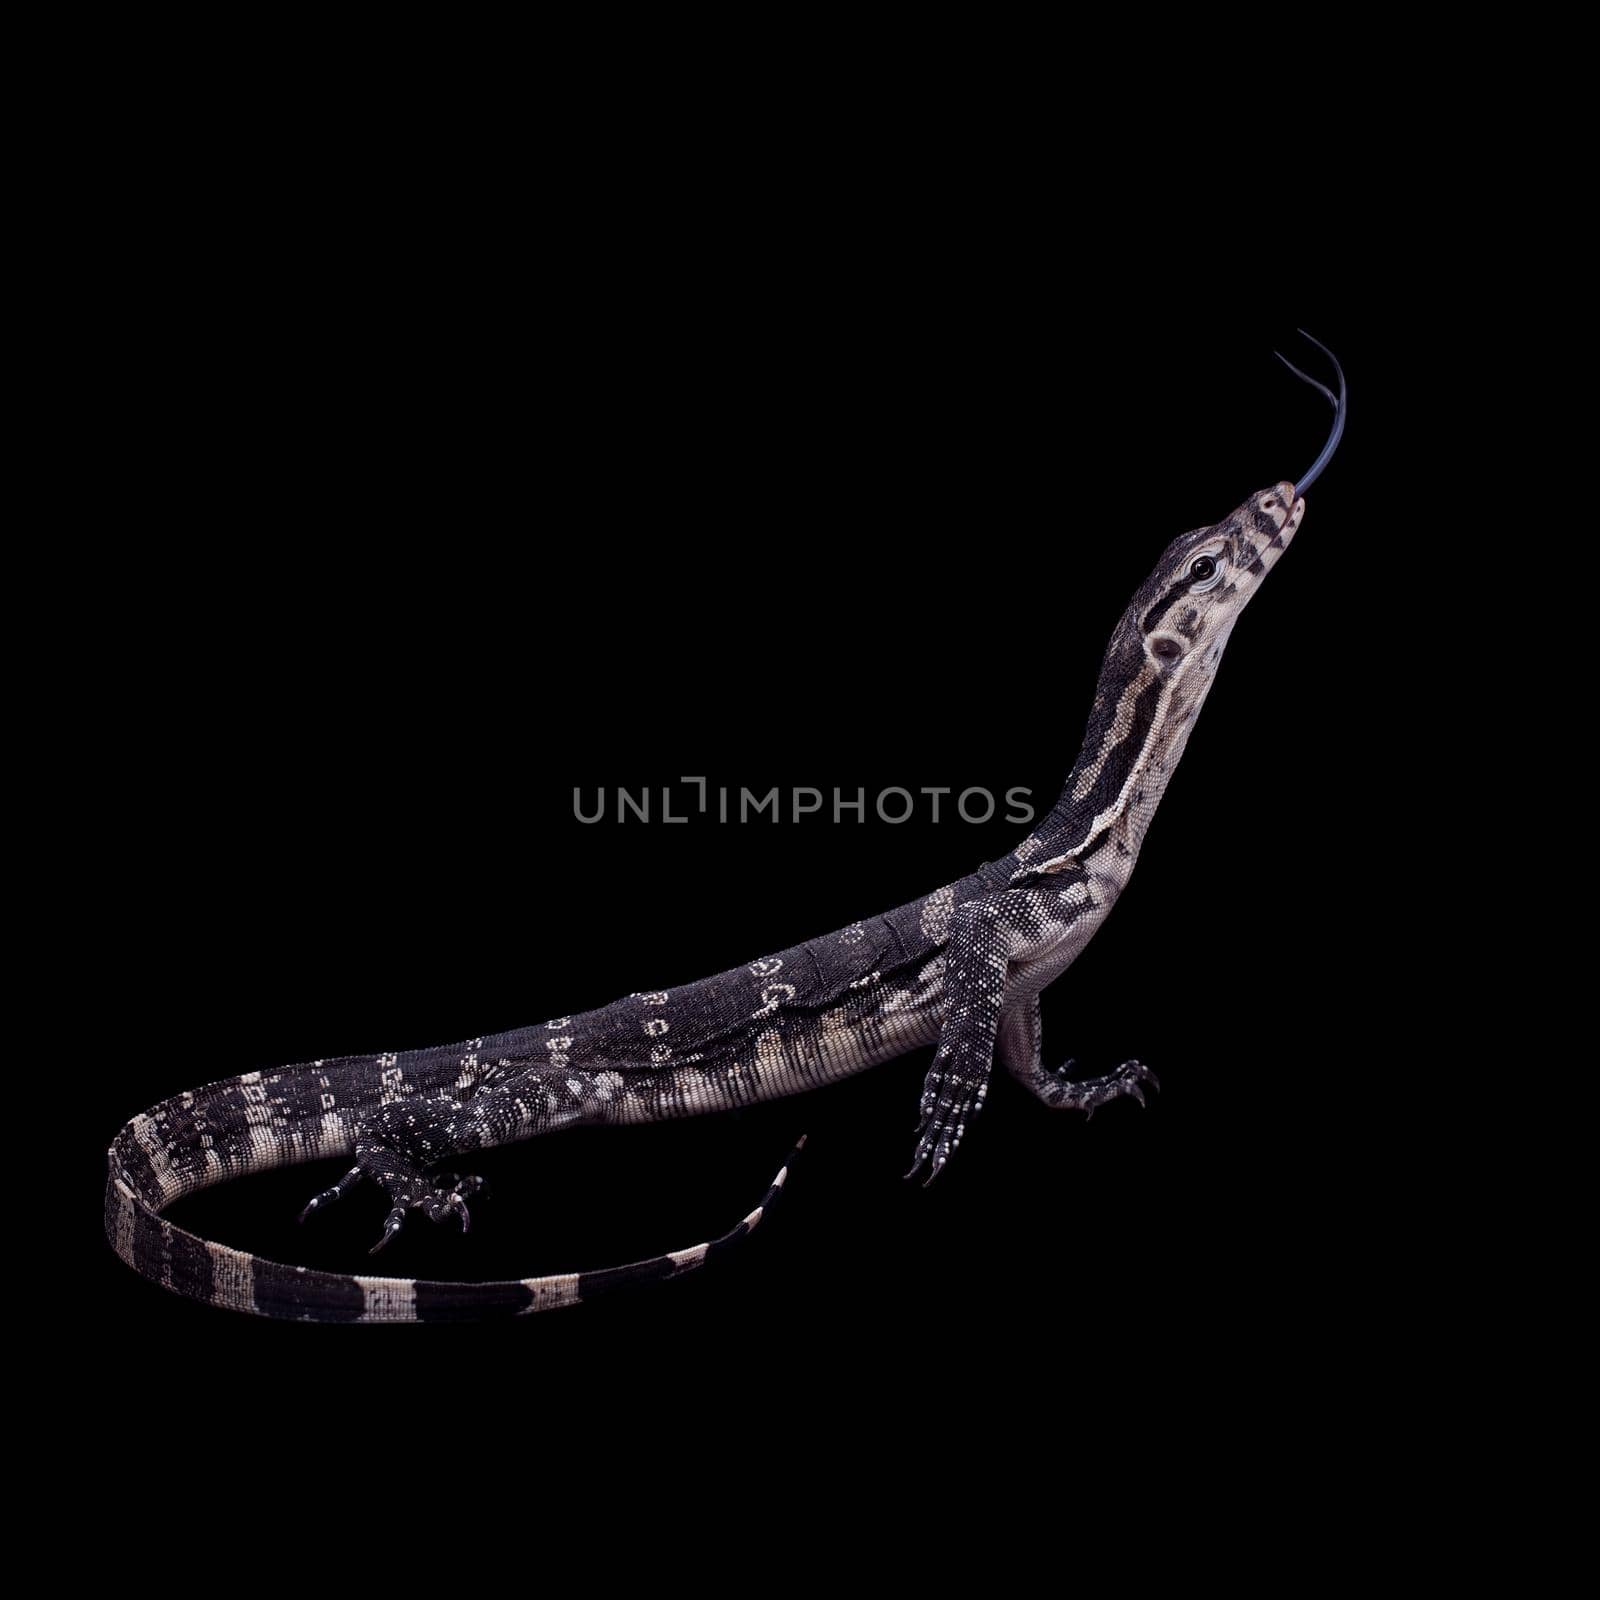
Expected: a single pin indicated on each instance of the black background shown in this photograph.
(445, 524)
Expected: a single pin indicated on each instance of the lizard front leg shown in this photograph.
(1020, 1051)
(984, 934)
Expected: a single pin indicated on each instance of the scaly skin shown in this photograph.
(961, 968)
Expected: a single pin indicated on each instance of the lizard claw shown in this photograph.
(438, 1207)
(936, 1166)
(320, 1202)
(391, 1227)
(951, 1098)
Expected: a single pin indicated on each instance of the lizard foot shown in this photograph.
(1090, 1093)
(951, 1099)
(444, 1197)
(397, 1146)
(437, 1199)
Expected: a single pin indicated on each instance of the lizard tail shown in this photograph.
(139, 1185)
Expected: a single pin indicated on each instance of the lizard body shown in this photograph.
(961, 968)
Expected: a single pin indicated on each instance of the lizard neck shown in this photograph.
(1105, 794)
(1138, 730)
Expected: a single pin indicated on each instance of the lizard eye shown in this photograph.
(1202, 568)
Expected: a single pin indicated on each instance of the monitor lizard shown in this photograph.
(961, 969)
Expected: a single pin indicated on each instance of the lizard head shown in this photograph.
(1179, 621)
(1181, 617)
